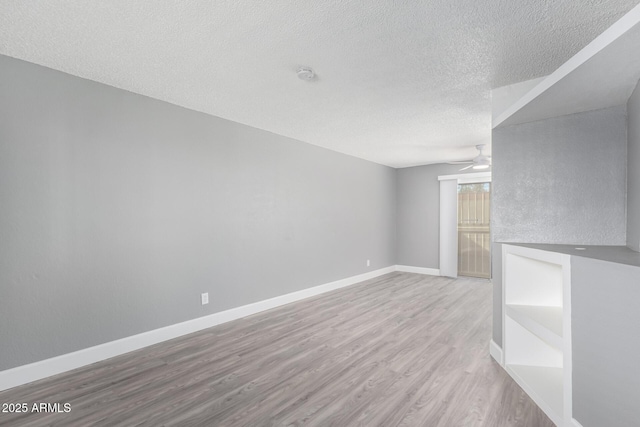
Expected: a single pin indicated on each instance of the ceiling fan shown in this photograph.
(478, 163)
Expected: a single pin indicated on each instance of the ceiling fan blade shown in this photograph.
(466, 162)
(464, 169)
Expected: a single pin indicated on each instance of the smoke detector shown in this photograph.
(306, 73)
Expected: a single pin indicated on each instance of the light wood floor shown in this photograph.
(399, 350)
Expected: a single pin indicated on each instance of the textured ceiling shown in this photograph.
(399, 83)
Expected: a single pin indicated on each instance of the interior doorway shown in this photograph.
(474, 238)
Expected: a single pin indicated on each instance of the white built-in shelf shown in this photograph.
(543, 321)
(537, 326)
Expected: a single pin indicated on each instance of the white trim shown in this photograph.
(575, 423)
(468, 178)
(448, 228)
(419, 270)
(496, 352)
(45, 368)
(567, 351)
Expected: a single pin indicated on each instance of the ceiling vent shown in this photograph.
(306, 73)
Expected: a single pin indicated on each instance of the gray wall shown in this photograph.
(419, 214)
(633, 170)
(119, 210)
(560, 180)
(605, 330)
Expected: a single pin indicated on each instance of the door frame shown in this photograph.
(448, 235)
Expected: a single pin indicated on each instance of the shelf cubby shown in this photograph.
(536, 326)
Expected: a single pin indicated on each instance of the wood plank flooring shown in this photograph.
(399, 350)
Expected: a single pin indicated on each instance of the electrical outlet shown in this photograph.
(204, 298)
(368, 263)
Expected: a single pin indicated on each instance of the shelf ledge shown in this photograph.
(544, 385)
(543, 321)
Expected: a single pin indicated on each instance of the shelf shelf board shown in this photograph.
(543, 321)
(544, 385)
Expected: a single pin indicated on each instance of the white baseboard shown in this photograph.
(575, 423)
(496, 352)
(45, 368)
(419, 270)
